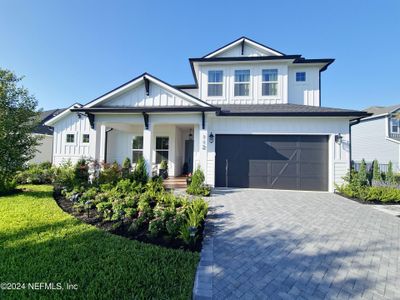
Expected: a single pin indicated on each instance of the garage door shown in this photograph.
(295, 162)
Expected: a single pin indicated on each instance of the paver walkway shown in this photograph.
(297, 245)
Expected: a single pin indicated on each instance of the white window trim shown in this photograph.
(135, 149)
(82, 134)
(168, 150)
(250, 96)
(216, 83)
(278, 86)
(75, 139)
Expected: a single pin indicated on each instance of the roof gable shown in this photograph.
(146, 90)
(243, 47)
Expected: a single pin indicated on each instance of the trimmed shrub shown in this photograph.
(390, 178)
(197, 186)
(376, 173)
(140, 172)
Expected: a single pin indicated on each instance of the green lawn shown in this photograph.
(41, 243)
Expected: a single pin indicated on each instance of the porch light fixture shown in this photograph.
(211, 138)
(190, 135)
(338, 139)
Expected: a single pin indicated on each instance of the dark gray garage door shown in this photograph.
(295, 162)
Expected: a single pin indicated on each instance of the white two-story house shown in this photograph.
(252, 118)
(378, 137)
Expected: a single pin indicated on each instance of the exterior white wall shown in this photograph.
(44, 150)
(255, 96)
(369, 141)
(63, 151)
(247, 51)
(137, 97)
(339, 154)
(306, 92)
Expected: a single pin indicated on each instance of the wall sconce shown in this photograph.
(211, 138)
(190, 135)
(338, 139)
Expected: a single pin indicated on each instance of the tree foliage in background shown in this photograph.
(18, 118)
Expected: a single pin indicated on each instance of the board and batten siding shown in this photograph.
(63, 151)
(136, 96)
(369, 141)
(289, 91)
(338, 154)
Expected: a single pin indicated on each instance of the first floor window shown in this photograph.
(137, 148)
(242, 83)
(215, 83)
(85, 138)
(70, 138)
(270, 82)
(162, 147)
(395, 125)
(300, 76)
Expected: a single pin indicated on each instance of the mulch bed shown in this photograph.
(92, 218)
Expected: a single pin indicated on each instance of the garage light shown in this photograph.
(338, 139)
(211, 138)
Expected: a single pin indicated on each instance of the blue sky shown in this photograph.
(74, 51)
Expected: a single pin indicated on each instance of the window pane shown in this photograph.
(70, 138)
(242, 89)
(136, 154)
(301, 76)
(395, 125)
(215, 90)
(161, 155)
(269, 89)
(85, 138)
(270, 75)
(215, 76)
(162, 143)
(137, 142)
(242, 75)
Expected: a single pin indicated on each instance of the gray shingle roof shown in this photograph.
(287, 110)
(379, 110)
(44, 116)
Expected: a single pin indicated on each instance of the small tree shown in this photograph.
(389, 175)
(18, 118)
(126, 167)
(362, 176)
(376, 173)
(140, 172)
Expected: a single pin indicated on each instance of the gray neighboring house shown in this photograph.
(45, 149)
(377, 136)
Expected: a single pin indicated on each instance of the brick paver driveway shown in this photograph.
(303, 245)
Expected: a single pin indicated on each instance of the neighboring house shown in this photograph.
(251, 119)
(378, 136)
(45, 149)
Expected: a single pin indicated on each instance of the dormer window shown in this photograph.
(215, 83)
(270, 82)
(242, 83)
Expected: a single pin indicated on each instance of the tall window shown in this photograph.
(270, 82)
(215, 83)
(395, 125)
(242, 83)
(162, 147)
(70, 138)
(137, 148)
(300, 76)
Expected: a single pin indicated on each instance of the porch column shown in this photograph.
(147, 148)
(102, 144)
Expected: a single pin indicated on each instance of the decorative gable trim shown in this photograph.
(243, 40)
(147, 79)
(65, 113)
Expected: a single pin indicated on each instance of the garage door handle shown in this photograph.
(226, 172)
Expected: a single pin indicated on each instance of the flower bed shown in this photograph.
(128, 204)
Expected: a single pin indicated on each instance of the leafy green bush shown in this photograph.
(140, 172)
(81, 170)
(36, 174)
(126, 168)
(110, 174)
(197, 186)
(64, 176)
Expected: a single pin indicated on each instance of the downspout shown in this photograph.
(351, 123)
(105, 144)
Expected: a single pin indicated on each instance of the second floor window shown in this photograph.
(270, 82)
(300, 76)
(242, 83)
(215, 83)
(394, 125)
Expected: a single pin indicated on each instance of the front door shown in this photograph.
(189, 155)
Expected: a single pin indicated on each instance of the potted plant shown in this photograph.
(163, 169)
